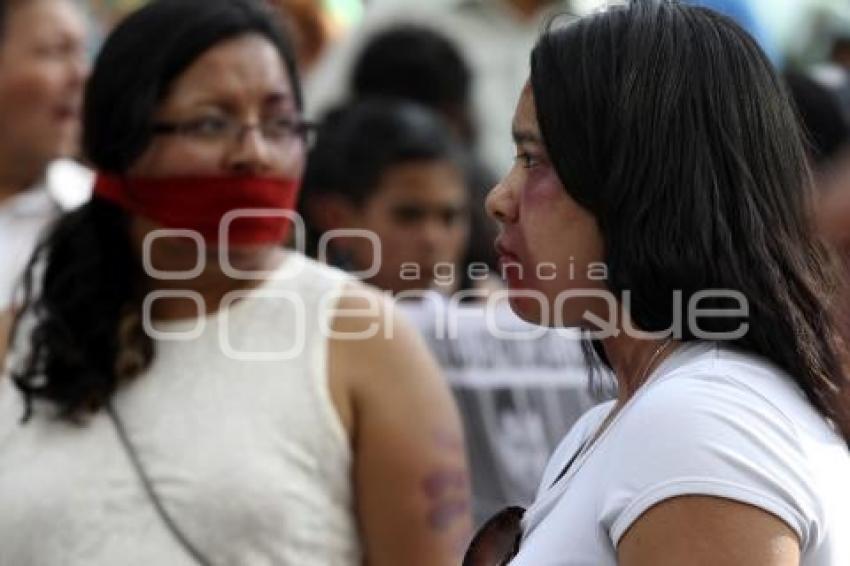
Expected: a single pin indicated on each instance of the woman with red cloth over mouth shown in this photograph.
(660, 203)
(186, 390)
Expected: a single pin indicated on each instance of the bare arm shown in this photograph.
(410, 473)
(706, 531)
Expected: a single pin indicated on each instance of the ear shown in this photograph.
(332, 212)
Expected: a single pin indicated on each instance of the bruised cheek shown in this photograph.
(543, 190)
(544, 209)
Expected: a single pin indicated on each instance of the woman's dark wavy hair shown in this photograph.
(84, 286)
(669, 125)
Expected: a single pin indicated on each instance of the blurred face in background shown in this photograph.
(43, 68)
(420, 214)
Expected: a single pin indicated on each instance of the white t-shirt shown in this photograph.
(713, 421)
(24, 218)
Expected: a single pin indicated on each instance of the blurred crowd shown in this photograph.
(454, 64)
(410, 103)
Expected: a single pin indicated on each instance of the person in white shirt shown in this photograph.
(25, 216)
(660, 202)
(43, 68)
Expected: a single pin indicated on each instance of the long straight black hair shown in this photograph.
(668, 124)
(84, 329)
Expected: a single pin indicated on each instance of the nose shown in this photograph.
(81, 67)
(77, 72)
(82, 70)
(250, 154)
(433, 232)
(501, 204)
(77, 62)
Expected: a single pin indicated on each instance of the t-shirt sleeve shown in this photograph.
(708, 435)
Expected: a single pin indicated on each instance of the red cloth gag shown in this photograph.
(201, 204)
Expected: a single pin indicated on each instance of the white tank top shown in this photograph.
(245, 448)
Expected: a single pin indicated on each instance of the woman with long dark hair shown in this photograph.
(187, 391)
(660, 202)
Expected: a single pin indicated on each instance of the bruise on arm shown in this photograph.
(447, 491)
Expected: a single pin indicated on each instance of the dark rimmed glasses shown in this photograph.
(280, 131)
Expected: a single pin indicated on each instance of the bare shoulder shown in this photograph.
(703, 530)
(376, 341)
(376, 355)
(359, 308)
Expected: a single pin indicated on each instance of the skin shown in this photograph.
(841, 53)
(706, 531)
(541, 223)
(410, 472)
(831, 211)
(5, 325)
(419, 213)
(528, 9)
(834, 202)
(540, 226)
(387, 390)
(43, 68)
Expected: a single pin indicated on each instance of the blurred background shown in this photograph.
(494, 37)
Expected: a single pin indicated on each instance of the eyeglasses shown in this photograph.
(281, 131)
(497, 542)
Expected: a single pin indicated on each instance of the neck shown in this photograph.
(633, 360)
(528, 9)
(211, 286)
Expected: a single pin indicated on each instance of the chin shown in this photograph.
(529, 310)
(246, 257)
(413, 288)
(68, 144)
